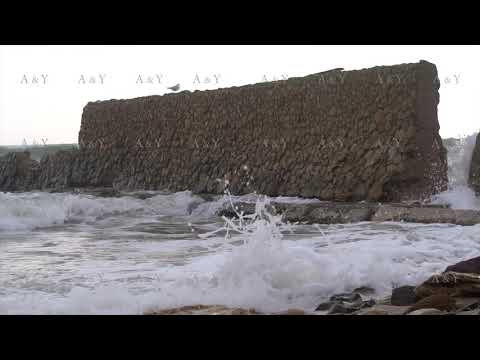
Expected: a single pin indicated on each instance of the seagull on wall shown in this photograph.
(175, 88)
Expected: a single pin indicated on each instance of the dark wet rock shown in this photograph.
(426, 215)
(99, 192)
(368, 303)
(339, 308)
(209, 197)
(238, 208)
(141, 195)
(310, 213)
(325, 306)
(467, 304)
(443, 302)
(450, 283)
(348, 297)
(340, 213)
(437, 304)
(470, 266)
(364, 290)
(474, 173)
(403, 296)
(345, 303)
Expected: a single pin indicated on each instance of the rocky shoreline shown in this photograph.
(456, 291)
(322, 212)
(341, 213)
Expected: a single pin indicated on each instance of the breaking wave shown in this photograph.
(28, 211)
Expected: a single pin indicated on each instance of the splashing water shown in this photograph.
(459, 156)
(137, 255)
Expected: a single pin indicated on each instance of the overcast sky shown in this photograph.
(43, 89)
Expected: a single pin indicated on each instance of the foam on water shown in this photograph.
(261, 263)
(28, 211)
(33, 210)
(268, 275)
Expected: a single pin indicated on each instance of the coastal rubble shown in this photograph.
(448, 293)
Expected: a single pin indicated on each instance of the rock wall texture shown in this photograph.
(339, 135)
(18, 171)
(474, 174)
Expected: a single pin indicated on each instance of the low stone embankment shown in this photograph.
(333, 213)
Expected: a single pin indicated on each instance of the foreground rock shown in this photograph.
(383, 309)
(427, 311)
(449, 293)
(217, 310)
(450, 283)
(455, 291)
(471, 266)
(403, 296)
(204, 310)
(441, 302)
(346, 303)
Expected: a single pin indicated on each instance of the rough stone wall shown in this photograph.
(18, 171)
(365, 134)
(64, 169)
(474, 174)
(338, 135)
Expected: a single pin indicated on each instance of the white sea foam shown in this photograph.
(267, 273)
(27, 211)
(264, 264)
(32, 210)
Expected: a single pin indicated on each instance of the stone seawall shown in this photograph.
(353, 135)
(339, 135)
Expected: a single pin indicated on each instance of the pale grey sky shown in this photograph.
(43, 89)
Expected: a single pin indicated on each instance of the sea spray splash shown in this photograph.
(259, 267)
(265, 270)
(459, 156)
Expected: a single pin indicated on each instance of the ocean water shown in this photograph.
(79, 254)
